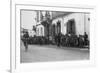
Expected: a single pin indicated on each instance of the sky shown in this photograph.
(28, 19)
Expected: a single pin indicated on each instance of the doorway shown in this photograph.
(71, 27)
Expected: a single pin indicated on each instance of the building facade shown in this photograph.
(74, 23)
(40, 30)
(43, 23)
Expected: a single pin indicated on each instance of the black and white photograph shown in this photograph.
(50, 36)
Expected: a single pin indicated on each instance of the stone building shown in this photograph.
(43, 23)
(51, 23)
(40, 30)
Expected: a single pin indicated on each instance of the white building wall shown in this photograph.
(87, 24)
(81, 23)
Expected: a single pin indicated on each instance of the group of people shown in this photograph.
(59, 41)
(71, 40)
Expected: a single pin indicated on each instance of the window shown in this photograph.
(71, 26)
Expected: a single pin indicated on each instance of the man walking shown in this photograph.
(26, 36)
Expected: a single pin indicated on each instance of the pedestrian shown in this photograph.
(26, 37)
(58, 39)
(81, 41)
(85, 38)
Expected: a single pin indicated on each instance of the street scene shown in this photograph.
(54, 36)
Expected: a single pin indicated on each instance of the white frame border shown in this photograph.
(17, 67)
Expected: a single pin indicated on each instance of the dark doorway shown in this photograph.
(71, 27)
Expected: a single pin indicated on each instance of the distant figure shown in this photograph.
(80, 41)
(85, 38)
(55, 39)
(26, 36)
(69, 39)
(58, 39)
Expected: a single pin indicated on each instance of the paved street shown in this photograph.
(44, 53)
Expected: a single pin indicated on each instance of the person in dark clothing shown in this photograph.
(26, 36)
(85, 38)
(58, 39)
(80, 41)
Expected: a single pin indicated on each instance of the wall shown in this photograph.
(87, 24)
(81, 22)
